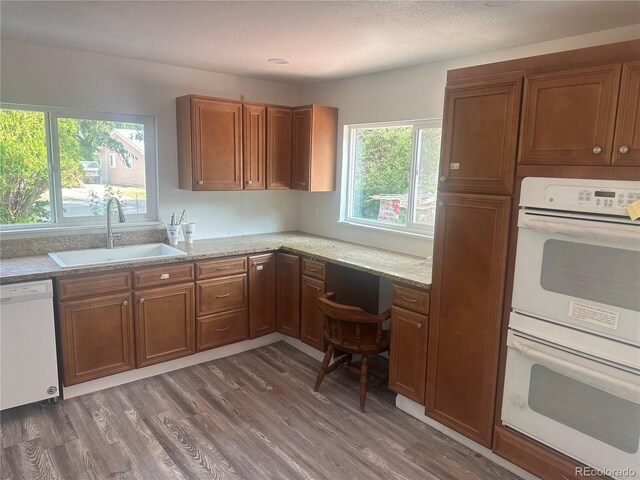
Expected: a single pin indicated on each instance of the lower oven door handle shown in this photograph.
(619, 234)
(612, 385)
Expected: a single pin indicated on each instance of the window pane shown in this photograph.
(24, 170)
(100, 159)
(382, 165)
(427, 179)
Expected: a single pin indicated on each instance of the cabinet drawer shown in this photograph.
(90, 285)
(221, 268)
(411, 299)
(163, 275)
(313, 269)
(221, 294)
(222, 329)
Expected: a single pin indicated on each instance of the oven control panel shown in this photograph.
(593, 199)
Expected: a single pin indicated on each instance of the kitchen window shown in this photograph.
(392, 173)
(59, 167)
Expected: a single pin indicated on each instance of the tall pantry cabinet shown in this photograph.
(470, 251)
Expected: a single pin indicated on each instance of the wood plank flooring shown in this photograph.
(250, 416)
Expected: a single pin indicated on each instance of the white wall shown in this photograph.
(405, 94)
(42, 75)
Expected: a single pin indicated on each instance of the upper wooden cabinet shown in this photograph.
(480, 134)
(568, 116)
(626, 143)
(254, 122)
(470, 254)
(262, 295)
(209, 144)
(315, 130)
(279, 127)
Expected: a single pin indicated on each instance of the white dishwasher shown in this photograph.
(28, 362)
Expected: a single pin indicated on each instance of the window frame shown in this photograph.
(58, 221)
(347, 216)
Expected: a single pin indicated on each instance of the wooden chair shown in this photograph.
(352, 331)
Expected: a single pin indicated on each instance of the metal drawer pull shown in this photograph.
(313, 269)
(222, 329)
(164, 276)
(223, 296)
(623, 149)
(419, 325)
(407, 299)
(227, 267)
(597, 150)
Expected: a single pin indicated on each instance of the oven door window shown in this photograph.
(602, 274)
(589, 410)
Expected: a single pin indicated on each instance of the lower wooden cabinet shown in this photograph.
(288, 294)
(97, 337)
(262, 295)
(408, 354)
(311, 318)
(470, 252)
(165, 323)
(222, 329)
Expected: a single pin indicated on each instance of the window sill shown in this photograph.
(393, 231)
(15, 233)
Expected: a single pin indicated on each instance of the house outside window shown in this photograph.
(392, 175)
(59, 167)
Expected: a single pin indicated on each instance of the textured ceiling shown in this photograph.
(323, 40)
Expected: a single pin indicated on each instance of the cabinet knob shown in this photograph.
(141, 300)
(125, 302)
(623, 149)
(200, 182)
(304, 184)
(249, 182)
(597, 150)
(419, 325)
(440, 204)
(443, 178)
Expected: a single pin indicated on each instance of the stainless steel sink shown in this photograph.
(104, 256)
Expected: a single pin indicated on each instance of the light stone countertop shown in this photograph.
(395, 266)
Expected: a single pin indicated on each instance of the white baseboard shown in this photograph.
(304, 348)
(169, 366)
(416, 410)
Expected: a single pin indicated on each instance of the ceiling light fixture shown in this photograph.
(278, 61)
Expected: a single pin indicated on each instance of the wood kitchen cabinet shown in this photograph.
(626, 143)
(480, 134)
(209, 143)
(311, 318)
(97, 336)
(165, 323)
(279, 147)
(288, 294)
(262, 295)
(315, 131)
(408, 353)
(470, 253)
(254, 153)
(568, 116)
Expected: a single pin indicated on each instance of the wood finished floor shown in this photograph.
(252, 416)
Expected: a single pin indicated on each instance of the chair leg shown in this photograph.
(364, 364)
(323, 367)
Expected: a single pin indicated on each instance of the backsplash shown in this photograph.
(21, 247)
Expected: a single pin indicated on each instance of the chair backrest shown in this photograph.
(350, 326)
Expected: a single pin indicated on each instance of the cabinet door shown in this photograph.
(568, 117)
(165, 323)
(279, 125)
(288, 294)
(97, 337)
(470, 250)
(408, 354)
(217, 140)
(311, 318)
(626, 144)
(254, 146)
(301, 148)
(262, 295)
(480, 135)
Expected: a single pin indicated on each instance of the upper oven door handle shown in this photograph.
(613, 385)
(615, 233)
